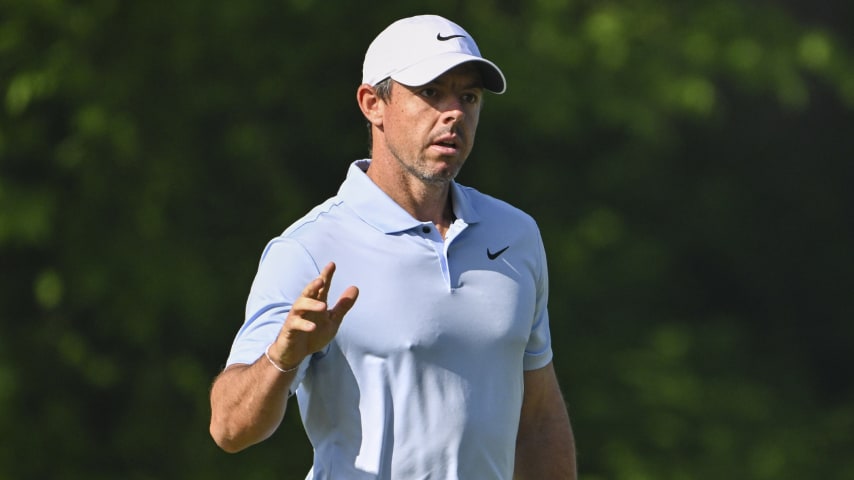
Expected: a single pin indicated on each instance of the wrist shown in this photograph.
(281, 368)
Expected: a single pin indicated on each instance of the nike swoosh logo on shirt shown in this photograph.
(493, 256)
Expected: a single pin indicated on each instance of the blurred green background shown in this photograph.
(689, 163)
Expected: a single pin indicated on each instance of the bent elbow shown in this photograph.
(224, 440)
(232, 439)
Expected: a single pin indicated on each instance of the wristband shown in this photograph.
(283, 370)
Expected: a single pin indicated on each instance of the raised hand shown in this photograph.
(311, 324)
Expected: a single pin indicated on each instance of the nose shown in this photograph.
(453, 111)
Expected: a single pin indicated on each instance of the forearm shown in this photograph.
(248, 403)
(546, 452)
(545, 446)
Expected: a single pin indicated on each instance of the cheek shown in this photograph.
(401, 118)
(392, 122)
(473, 116)
(471, 123)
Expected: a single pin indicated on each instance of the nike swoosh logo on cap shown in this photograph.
(440, 38)
(493, 256)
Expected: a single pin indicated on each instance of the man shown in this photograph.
(442, 367)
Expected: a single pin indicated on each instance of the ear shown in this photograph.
(372, 106)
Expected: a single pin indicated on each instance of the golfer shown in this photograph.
(407, 313)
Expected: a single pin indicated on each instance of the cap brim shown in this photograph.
(428, 70)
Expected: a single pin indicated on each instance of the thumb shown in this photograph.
(344, 304)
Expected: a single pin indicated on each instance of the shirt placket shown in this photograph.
(440, 246)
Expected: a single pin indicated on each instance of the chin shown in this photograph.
(445, 175)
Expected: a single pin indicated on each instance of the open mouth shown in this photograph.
(447, 143)
(446, 148)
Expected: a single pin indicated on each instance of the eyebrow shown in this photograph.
(474, 84)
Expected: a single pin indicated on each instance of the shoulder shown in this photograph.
(318, 219)
(318, 234)
(491, 209)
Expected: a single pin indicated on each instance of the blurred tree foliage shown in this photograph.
(690, 164)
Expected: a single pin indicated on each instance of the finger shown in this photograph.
(326, 276)
(344, 304)
(312, 290)
(299, 324)
(307, 305)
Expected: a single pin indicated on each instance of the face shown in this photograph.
(429, 130)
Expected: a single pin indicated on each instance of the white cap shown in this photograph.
(414, 51)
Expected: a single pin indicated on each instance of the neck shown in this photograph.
(425, 201)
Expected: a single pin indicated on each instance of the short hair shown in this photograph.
(383, 91)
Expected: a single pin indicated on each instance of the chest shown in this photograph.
(420, 295)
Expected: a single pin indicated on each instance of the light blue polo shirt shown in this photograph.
(424, 379)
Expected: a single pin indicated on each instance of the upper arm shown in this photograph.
(542, 392)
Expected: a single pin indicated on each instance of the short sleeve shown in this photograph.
(284, 270)
(538, 351)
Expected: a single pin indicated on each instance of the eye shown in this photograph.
(470, 98)
(429, 92)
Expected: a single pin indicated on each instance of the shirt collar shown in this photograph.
(376, 208)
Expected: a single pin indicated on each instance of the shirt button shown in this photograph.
(425, 229)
